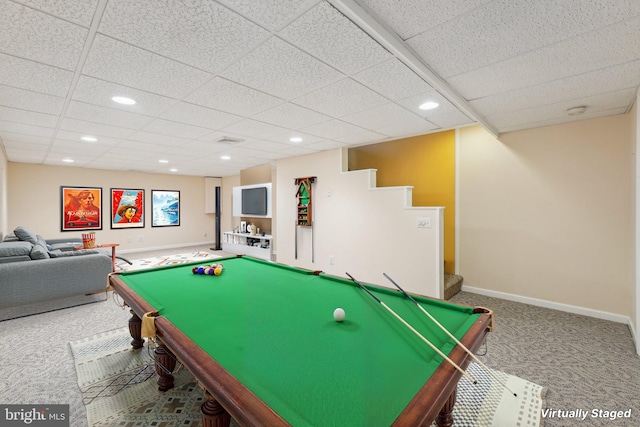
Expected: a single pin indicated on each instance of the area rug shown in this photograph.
(119, 388)
(161, 261)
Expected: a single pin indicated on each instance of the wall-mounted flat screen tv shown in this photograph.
(254, 201)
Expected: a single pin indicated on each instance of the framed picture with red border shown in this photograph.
(127, 208)
(81, 208)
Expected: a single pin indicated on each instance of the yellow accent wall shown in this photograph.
(426, 162)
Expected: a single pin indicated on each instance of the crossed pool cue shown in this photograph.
(436, 349)
(469, 352)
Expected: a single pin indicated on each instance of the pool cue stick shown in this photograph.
(469, 352)
(397, 316)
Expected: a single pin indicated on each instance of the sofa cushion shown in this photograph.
(39, 252)
(26, 235)
(17, 248)
(62, 254)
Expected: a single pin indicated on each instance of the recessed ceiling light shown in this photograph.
(163, 161)
(225, 157)
(429, 105)
(295, 139)
(123, 100)
(173, 170)
(574, 111)
(89, 138)
(67, 160)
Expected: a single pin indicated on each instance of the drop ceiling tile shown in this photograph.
(410, 17)
(203, 34)
(407, 129)
(75, 137)
(298, 151)
(530, 117)
(339, 99)
(381, 116)
(39, 37)
(285, 138)
(280, 69)
(333, 129)
(326, 145)
(78, 12)
(16, 139)
(494, 32)
(28, 117)
(22, 152)
(198, 148)
(525, 124)
(224, 95)
(271, 14)
(577, 86)
(100, 92)
(445, 116)
(157, 138)
(176, 129)
(393, 79)
(196, 115)
(330, 36)
(95, 129)
(367, 137)
(19, 128)
(266, 146)
(124, 64)
(71, 147)
(27, 100)
(291, 116)
(581, 54)
(254, 129)
(33, 76)
(106, 116)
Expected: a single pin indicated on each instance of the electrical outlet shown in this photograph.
(424, 222)
(331, 260)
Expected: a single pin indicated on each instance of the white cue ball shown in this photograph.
(338, 314)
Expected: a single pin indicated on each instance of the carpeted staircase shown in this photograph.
(452, 285)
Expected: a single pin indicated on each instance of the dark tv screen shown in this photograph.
(254, 201)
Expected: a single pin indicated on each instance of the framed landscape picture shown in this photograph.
(81, 208)
(165, 208)
(127, 208)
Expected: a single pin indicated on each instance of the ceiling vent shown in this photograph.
(229, 141)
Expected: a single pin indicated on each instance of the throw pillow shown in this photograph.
(26, 235)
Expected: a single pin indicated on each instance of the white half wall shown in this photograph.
(357, 227)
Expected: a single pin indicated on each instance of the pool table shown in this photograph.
(262, 341)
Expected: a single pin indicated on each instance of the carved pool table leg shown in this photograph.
(135, 329)
(165, 364)
(213, 414)
(445, 417)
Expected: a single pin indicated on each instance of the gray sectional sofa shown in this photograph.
(38, 275)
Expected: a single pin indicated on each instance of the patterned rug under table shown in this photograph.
(119, 388)
(163, 261)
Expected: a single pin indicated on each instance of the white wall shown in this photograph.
(3, 194)
(546, 214)
(34, 202)
(367, 231)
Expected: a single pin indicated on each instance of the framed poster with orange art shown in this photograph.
(81, 208)
(127, 208)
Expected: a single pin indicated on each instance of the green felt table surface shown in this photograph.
(272, 328)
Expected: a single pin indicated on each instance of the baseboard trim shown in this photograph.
(551, 304)
(161, 248)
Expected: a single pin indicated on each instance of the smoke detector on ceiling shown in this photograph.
(575, 111)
